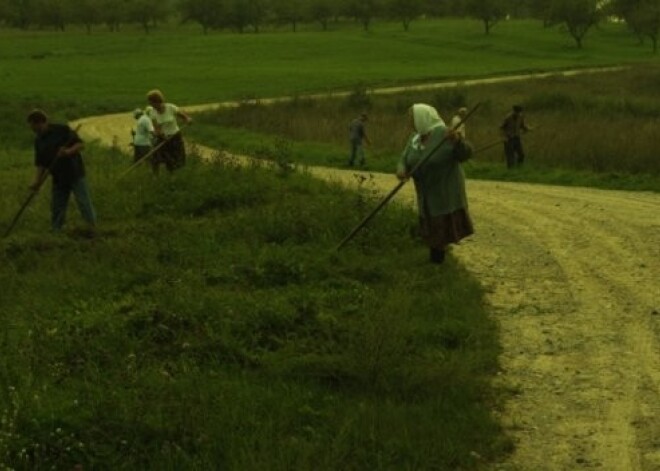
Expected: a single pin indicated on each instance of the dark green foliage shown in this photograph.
(490, 12)
(577, 16)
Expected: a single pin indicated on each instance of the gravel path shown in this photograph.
(573, 277)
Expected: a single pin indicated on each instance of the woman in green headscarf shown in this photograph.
(440, 183)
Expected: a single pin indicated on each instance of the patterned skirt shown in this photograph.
(440, 231)
(172, 153)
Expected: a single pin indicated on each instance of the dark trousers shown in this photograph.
(172, 154)
(357, 151)
(515, 155)
(140, 151)
(60, 202)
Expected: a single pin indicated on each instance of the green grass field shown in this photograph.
(593, 130)
(211, 326)
(113, 71)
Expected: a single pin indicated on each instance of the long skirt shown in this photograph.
(440, 231)
(172, 154)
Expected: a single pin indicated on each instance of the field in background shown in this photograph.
(106, 71)
(598, 129)
(208, 325)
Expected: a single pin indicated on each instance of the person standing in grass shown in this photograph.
(460, 115)
(512, 128)
(439, 183)
(358, 137)
(164, 117)
(142, 134)
(57, 150)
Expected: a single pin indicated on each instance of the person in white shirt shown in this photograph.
(458, 117)
(142, 134)
(164, 117)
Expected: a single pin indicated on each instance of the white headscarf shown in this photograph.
(426, 119)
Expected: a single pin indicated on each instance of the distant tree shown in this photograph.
(490, 12)
(289, 12)
(87, 13)
(209, 14)
(147, 13)
(439, 8)
(321, 11)
(519, 8)
(578, 16)
(542, 9)
(258, 13)
(4, 12)
(646, 20)
(18, 13)
(53, 13)
(114, 13)
(363, 11)
(238, 15)
(244, 13)
(405, 11)
(641, 16)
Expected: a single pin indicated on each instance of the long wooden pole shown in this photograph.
(155, 149)
(33, 192)
(400, 185)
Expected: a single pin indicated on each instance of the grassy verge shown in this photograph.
(209, 326)
(116, 70)
(590, 130)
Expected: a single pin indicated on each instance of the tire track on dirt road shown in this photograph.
(572, 278)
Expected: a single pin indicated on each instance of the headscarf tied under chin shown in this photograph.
(426, 119)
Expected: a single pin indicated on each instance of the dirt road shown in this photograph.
(573, 277)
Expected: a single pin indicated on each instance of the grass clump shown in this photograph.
(210, 326)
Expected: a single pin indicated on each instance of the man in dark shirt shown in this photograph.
(57, 151)
(512, 127)
(357, 135)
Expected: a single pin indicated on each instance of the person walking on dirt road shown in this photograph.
(166, 128)
(358, 137)
(512, 127)
(439, 183)
(57, 150)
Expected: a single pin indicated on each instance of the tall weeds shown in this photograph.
(599, 123)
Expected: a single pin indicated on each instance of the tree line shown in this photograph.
(577, 17)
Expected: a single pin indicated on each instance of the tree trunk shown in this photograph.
(406, 24)
(487, 26)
